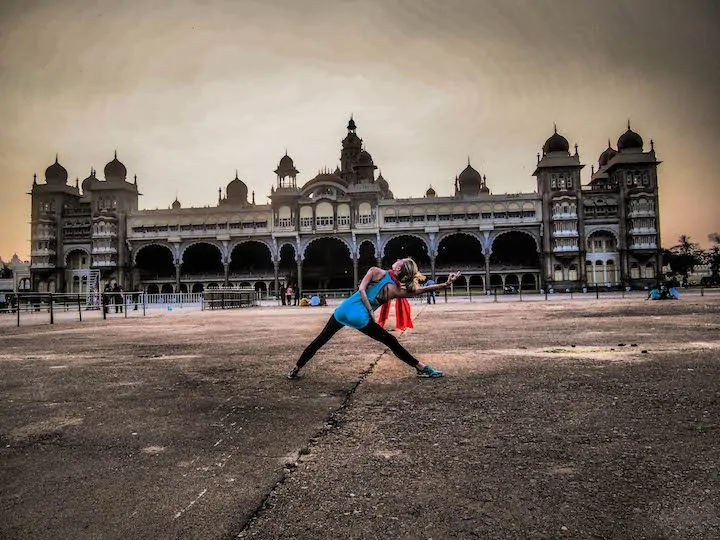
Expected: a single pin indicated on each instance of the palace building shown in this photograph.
(324, 233)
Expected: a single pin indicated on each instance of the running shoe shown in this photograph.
(429, 372)
(293, 374)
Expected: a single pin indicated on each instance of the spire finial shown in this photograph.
(652, 145)
(34, 178)
(538, 157)
(628, 124)
(236, 175)
(576, 149)
(468, 160)
(609, 144)
(136, 179)
(592, 169)
(554, 127)
(56, 157)
(116, 153)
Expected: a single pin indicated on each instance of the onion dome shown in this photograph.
(87, 183)
(556, 143)
(237, 191)
(176, 204)
(607, 155)
(115, 170)
(56, 174)
(286, 167)
(430, 192)
(629, 140)
(469, 177)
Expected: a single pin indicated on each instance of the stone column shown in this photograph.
(276, 266)
(355, 272)
(432, 267)
(227, 273)
(487, 271)
(177, 276)
(299, 279)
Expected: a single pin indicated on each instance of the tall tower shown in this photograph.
(351, 149)
(558, 182)
(634, 174)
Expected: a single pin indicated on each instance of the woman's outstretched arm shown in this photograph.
(422, 290)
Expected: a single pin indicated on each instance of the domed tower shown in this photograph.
(56, 174)
(286, 172)
(430, 193)
(470, 182)
(630, 142)
(176, 204)
(558, 181)
(351, 149)
(236, 193)
(364, 168)
(632, 174)
(115, 171)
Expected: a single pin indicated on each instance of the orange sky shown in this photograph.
(191, 92)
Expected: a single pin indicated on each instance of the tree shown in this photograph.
(683, 257)
(5, 271)
(712, 258)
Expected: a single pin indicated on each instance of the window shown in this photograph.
(306, 221)
(572, 273)
(558, 275)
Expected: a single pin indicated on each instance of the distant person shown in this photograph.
(377, 288)
(117, 297)
(107, 293)
(431, 295)
(289, 295)
(283, 290)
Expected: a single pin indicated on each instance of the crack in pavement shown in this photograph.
(333, 420)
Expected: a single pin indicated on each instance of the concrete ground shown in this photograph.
(577, 419)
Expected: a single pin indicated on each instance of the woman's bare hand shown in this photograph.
(452, 277)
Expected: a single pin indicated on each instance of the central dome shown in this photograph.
(556, 143)
(115, 170)
(469, 176)
(629, 140)
(56, 174)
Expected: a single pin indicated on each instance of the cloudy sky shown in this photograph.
(188, 91)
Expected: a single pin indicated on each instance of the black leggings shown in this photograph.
(372, 329)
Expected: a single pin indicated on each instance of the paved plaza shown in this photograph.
(566, 418)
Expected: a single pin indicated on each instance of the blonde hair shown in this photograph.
(409, 275)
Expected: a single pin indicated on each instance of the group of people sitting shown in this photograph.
(313, 300)
(663, 292)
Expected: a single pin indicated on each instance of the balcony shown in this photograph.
(643, 230)
(41, 265)
(565, 249)
(42, 252)
(104, 264)
(641, 213)
(566, 215)
(102, 250)
(565, 234)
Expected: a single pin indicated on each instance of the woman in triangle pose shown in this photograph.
(377, 288)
